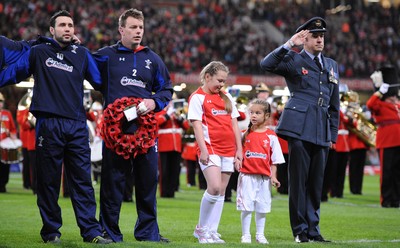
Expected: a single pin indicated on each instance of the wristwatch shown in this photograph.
(291, 43)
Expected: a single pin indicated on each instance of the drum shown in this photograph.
(11, 151)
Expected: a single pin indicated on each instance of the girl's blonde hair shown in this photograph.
(212, 69)
(266, 109)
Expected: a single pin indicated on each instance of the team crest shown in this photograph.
(74, 47)
(148, 63)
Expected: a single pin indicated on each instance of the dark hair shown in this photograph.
(212, 69)
(58, 14)
(266, 110)
(137, 14)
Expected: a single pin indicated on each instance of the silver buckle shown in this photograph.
(320, 101)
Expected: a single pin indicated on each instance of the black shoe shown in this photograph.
(318, 238)
(53, 240)
(301, 238)
(106, 235)
(99, 240)
(128, 199)
(3, 190)
(164, 240)
(390, 205)
(228, 199)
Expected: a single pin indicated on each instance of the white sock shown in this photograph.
(206, 208)
(260, 223)
(216, 214)
(246, 221)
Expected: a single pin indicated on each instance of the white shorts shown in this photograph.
(253, 193)
(226, 163)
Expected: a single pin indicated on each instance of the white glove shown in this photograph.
(384, 88)
(170, 111)
(377, 78)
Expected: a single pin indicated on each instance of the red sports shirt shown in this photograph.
(260, 151)
(217, 123)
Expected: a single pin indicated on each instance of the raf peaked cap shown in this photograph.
(314, 25)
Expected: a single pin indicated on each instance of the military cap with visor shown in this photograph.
(314, 25)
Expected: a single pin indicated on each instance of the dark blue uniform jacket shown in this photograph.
(312, 112)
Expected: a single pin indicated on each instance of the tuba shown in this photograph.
(364, 128)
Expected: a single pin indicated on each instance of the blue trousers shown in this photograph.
(59, 141)
(306, 168)
(113, 171)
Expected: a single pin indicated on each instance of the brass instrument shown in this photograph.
(181, 108)
(364, 128)
(25, 103)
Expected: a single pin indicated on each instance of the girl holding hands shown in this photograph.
(213, 115)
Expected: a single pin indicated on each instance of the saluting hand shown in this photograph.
(298, 39)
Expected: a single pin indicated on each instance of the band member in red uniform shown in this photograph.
(335, 171)
(282, 169)
(358, 156)
(7, 129)
(26, 122)
(384, 105)
(171, 126)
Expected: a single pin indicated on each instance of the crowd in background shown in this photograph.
(188, 34)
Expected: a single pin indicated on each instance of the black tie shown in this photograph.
(316, 59)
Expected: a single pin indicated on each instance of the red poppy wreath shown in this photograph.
(127, 145)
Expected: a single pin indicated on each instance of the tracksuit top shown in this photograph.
(11, 51)
(136, 73)
(59, 74)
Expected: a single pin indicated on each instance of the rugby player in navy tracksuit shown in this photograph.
(59, 68)
(132, 70)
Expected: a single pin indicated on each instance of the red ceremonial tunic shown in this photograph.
(26, 130)
(342, 142)
(387, 117)
(170, 132)
(7, 124)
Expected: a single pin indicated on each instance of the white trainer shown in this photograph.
(203, 235)
(246, 239)
(261, 239)
(216, 237)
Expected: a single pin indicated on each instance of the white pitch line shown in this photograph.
(369, 241)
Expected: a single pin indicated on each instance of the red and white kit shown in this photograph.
(210, 109)
(260, 151)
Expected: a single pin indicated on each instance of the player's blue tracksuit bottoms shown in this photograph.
(61, 140)
(145, 169)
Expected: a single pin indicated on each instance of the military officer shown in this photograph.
(309, 121)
